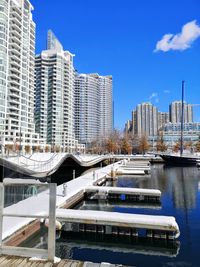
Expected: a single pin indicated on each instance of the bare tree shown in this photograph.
(47, 149)
(113, 142)
(160, 145)
(27, 149)
(143, 145)
(197, 146)
(176, 147)
(126, 144)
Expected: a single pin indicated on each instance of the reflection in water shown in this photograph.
(182, 183)
(116, 244)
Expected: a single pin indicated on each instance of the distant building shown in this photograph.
(145, 120)
(93, 107)
(163, 118)
(54, 95)
(175, 111)
(188, 128)
(128, 127)
(17, 49)
(172, 132)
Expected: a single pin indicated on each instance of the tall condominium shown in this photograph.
(145, 120)
(175, 111)
(163, 118)
(17, 48)
(54, 95)
(93, 107)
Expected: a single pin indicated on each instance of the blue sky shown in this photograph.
(119, 38)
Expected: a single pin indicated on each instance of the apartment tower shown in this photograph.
(175, 111)
(93, 107)
(163, 118)
(145, 120)
(17, 51)
(54, 95)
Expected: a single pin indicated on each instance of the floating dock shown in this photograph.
(115, 222)
(134, 167)
(120, 223)
(123, 193)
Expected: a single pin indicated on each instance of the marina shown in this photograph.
(104, 216)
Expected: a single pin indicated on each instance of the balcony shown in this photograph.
(15, 14)
(14, 83)
(15, 58)
(15, 50)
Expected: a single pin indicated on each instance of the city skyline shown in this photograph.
(120, 40)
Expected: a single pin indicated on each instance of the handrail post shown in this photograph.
(52, 222)
(1, 213)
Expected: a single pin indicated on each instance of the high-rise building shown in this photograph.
(128, 127)
(163, 118)
(145, 120)
(175, 111)
(106, 104)
(54, 95)
(93, 107)
(17, 49)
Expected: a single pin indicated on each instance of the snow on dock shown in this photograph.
(37, 206)
(135, 221)
(134, 167)
(39, 203)
(128, 193)
(159, 226)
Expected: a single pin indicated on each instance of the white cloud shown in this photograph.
(157, 100)
(153, 95)
(181, 41)
(166, 91)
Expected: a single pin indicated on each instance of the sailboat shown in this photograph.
(180, 160)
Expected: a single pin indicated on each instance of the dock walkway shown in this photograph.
(14, 261)
(39, 203)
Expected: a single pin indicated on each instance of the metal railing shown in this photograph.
(48, 253)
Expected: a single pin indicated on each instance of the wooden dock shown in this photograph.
(14, 261)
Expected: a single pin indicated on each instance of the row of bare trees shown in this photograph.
(119, 143)
(116, 143)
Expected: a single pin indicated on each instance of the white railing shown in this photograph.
(48, 253)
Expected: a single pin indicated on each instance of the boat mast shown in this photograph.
(182, 118)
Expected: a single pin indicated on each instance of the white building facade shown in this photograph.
(175, 111)
(145, 120)
(17, 49)
(93, 107)
(54, 95)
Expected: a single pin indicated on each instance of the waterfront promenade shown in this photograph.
(41, 165)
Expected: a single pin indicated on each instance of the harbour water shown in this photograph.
(180, 187)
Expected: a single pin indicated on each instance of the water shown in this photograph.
(180, 198)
